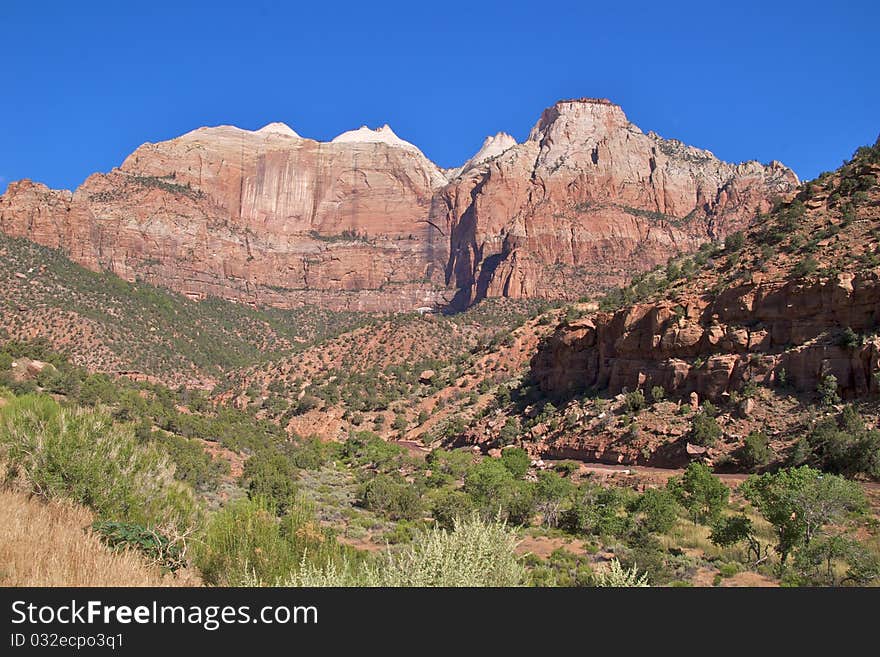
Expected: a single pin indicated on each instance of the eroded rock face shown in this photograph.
(367, 222)
(587, 200)
(714, 345)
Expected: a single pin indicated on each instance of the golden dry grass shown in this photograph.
(49, 544)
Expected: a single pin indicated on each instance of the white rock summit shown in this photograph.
(279, 128)
(383, 135)
(493, 146)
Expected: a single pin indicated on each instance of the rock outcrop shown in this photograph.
(367, 222)
(715, 345)
(795, 302)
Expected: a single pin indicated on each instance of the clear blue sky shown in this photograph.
(84, 83)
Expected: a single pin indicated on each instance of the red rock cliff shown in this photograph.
(368, 222)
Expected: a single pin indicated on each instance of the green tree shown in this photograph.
(659, 510)
(485, 480)
(736, 529)
(550, 493)
(700, 492)
(800, 502)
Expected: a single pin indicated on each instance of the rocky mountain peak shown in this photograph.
(365, 135)
(493, 146)
(580, 118)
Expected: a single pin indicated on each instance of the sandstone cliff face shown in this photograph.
(367, 222)
(589, 199)
(715, 345)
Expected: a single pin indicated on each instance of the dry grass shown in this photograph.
(50, 545)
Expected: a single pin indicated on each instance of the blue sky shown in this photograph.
(83, 84)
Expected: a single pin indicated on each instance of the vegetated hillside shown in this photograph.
(410, 376)
(109, 325)
(771, 328)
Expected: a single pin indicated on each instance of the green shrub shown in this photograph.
(246, 544)
(271, 474)
(516, 460)
(392, 496)
(474, 553)
(849, 339)
(805, 267)
(634, 401)
(700, 492)
(658, 394)
(615, 575)
(449, 505)
(82, 455)
(484, 481)
(734, 241)
(152, 543)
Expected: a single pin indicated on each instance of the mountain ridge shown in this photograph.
(368, 222)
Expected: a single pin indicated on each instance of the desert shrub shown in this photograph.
(475, 553)
(843, 446)
(658, 394)
(599, 511)
(805, 267)
(849, 339)
(391, 496)
(312, 452)
(484, 481)
(835, 560)
(704, 429)
(448, 505)
(246, 543)
(561, 569)
(551, 492)
(615, 575)
(448, 465)
(191, 463)
(366, 448)
(516, 503)
(82, 455)
(509, 432)
(634, 401)
(566, 468)
(270, 474)
(734, 241)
